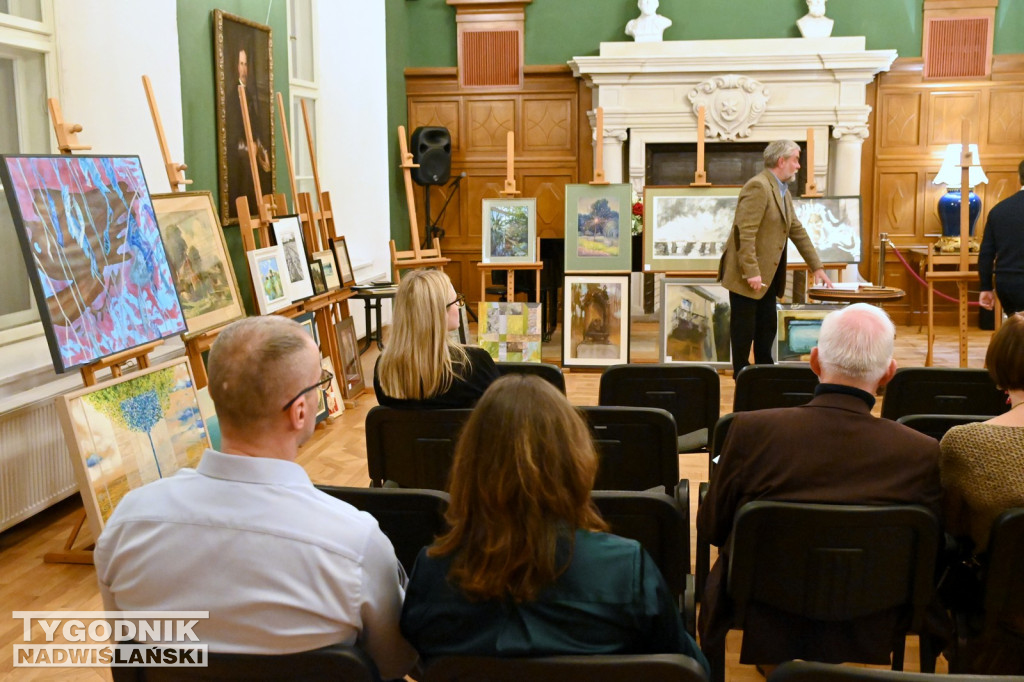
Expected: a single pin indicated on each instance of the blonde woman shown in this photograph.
(421, 367)
(527, 568)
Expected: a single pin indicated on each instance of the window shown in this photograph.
(26, 68)
(305, 89)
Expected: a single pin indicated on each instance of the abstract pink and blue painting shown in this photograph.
(93, 249)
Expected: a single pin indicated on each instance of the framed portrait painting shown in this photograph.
(199, 259)
(597, 228)
(288, 235)
(686, 228)
(798, 330)
(509, 230)
(125, 433)
(595, 332)
(94, 254)
(511, 332)
(345, 272)
(243, 56)
(352, 380)
(269, 279)
(834, 226)
(695, 322)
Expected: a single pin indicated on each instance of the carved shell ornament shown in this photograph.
(732, 103)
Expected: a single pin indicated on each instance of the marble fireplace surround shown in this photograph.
(753, 91)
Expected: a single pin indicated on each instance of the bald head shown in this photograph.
(856, 345)
(256, 365)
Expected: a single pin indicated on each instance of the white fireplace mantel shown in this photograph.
(645, 92)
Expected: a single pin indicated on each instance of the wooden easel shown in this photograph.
(700, 177)
(962, 276)
(416, 257)
(67, 133)
(599, 178)
(811, 190)
(175, 171)
(510, 192)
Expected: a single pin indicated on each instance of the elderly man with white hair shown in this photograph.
(832, 451)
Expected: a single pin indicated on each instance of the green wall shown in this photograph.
(1009, 38)
(198, 100)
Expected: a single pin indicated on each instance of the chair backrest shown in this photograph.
(716, 441)
(649, 668)
(805, 671)
(832, 562)
(941, 390)
(936, 425)
(657, 523)
(1004, 582)
(412, 448)
(411, 518)
(337, 663)
(545, 370)
(636, 446)
(762, 386)
(690, 393)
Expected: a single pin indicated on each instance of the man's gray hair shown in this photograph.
(779, 149)
(857, 342)
(252, 368)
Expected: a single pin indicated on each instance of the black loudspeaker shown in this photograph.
(432, 150)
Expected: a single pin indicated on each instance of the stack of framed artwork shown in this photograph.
(598, 256)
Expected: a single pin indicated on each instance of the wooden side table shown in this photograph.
(373, 300)
(865, 294)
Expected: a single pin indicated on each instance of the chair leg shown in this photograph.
(897, 653)
(716, 659)
(928, 653)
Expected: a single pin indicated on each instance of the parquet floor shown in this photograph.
(337, 455)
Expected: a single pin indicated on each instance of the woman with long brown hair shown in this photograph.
(421, 367)
(526, 568)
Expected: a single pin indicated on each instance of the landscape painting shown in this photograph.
(511, 332)
(509, 230)
(288, 235)
(269, 279)
(131, 431)
(199, 260)
(597, 228)
(94, 254)
(833, 224)
(596, 322)
(686, 228)
(798, 330)
(695, 322)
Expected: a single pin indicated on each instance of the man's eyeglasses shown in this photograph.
(460, 301)
(325, 378)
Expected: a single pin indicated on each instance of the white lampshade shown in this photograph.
(949, 174)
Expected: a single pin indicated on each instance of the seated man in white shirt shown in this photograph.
(280, 566)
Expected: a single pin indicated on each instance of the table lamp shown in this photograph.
(949, 203)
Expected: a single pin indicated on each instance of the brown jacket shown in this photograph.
(757, 243)
(830, 451)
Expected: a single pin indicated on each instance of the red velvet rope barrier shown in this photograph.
(921, 280)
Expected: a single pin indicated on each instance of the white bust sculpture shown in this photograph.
(648, 27)
(815, 24)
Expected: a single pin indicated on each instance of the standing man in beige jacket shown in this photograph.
(754, 261)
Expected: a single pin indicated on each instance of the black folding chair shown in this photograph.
(762, 386)
(412, 448)
(637, 448)
(941, 390)
(650, 668)
(690, 393)
(545, 370)
(936, 425)
(805, 671)
(410, 518)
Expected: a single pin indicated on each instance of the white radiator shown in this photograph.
(35, 469)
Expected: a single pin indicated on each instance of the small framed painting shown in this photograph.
(330, 268)
(333, 394)
(345, 272)
(834, 226)
(597, 228)
(127, 432)
(269, 279)
(308, 323)
(288, 235)
(511, 332)
(316, 272)
(352, 380)
(199, 260)
(595, 331)
(686, 228)
(509, 230)
(695, 322)
(798, 330)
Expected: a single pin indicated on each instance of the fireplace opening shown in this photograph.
(726, 163)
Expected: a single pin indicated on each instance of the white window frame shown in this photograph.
(18, 36)
(304, 89)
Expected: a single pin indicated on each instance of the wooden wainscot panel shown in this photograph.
(444, 113)
(548, 125)
(451, 220)
(896, 207)
(947, 110)
(901, 116)
(548, 187)
(930, 204)
(488, 122)
(1000, 185)
(1006, 116)
(477, 187)
(464, 275)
